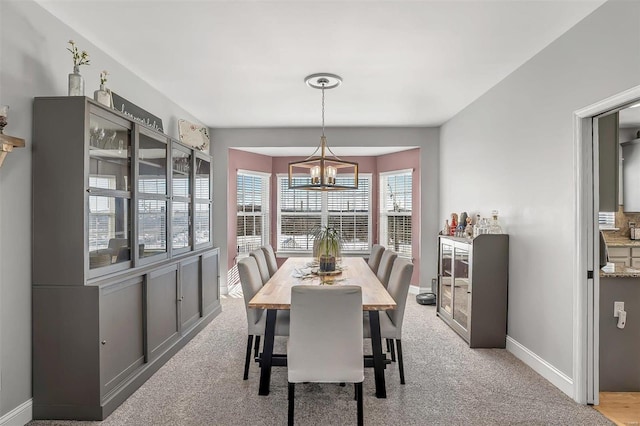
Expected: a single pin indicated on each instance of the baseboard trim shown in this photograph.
(540, 366)
(19, 416)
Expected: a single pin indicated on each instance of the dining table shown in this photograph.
(275, 296)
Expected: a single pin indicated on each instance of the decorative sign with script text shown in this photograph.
(136, 113)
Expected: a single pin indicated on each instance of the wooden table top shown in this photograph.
(276, 293)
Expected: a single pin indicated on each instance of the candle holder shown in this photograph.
(4, 110)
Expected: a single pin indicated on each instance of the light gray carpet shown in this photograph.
(447, 384)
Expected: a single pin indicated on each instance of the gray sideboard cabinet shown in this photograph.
(124, 272)
(473, 279)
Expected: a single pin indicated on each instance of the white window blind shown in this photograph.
(396, 189)
(252, 197)
(349, 212)
(299, 211)
(607, 220)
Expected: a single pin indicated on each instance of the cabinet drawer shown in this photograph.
(635, 263)
(626, 261)
(619, 252)
(635, 251)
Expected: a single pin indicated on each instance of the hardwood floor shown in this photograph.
(623, 408)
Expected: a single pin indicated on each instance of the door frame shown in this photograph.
(586, 291)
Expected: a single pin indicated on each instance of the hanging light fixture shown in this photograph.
(320, 173)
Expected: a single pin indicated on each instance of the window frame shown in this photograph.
(383, 214)
(324, 216)
(265, 213)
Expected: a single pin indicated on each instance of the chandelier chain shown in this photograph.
(322, 109)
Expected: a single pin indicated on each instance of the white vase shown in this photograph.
(102, 96)
(76, 83)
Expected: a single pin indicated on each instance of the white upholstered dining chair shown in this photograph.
(256, 318)
(374, 259)
(391, 320)
(270, 255)
(263, 267)
(325, 341)
(384, 270)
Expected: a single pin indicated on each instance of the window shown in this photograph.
(299, 211)
(253, 210)
(607, 220)
(396, 190)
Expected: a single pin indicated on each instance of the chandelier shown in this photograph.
(322, 172)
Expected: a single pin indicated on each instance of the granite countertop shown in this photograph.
(621, 242)
(616, 270)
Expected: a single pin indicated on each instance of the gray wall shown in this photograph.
(34, 62)
(515, 145)
(425, 138)
(619, 348)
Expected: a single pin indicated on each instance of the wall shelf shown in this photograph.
(7, 143)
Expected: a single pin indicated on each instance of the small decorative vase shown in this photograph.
(76, 83)
(102, 96)
(327, 263)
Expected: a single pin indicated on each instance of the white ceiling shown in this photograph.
(242, 63)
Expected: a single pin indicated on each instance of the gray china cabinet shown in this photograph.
(473, 278)
(124, 270)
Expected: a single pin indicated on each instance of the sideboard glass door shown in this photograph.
(462, 291)
(446, 276)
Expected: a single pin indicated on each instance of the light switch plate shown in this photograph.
(617, 306)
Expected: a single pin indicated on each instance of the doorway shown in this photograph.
(587, 313)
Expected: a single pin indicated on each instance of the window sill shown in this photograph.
(286, 254)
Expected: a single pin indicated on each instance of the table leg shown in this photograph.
(267, 352)
(378, 356)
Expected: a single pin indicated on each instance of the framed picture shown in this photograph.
(193, 135)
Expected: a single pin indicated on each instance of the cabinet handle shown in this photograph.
(104, 342)
(181, 299)
(89, 190)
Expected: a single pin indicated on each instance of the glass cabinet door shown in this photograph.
(202, 219)
(181, 182)
(461, 288)
(152, 196)
(109, 155)
(109, 179)
(446, 276)
(181, 161)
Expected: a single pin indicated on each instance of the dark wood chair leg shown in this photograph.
(256, 348)
(360, 408)
(393, 350)
(400, 363)
(291, 397)
(248, 356)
